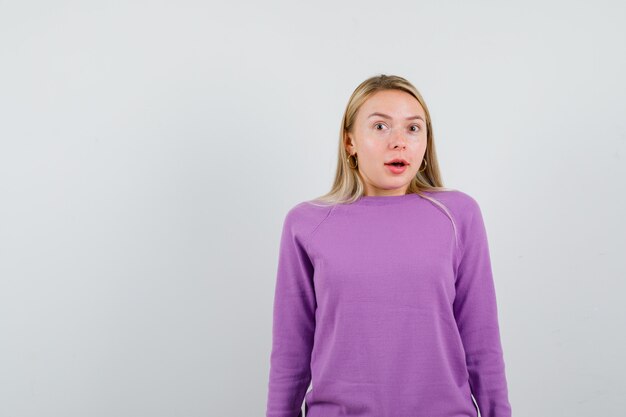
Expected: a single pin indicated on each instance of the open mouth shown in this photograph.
(397, 162)
(397, 166)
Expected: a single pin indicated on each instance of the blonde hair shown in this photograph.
(348, 186)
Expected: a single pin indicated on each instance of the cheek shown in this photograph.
(372, 148)
(418, 150)
(372, 155)
(419, 145)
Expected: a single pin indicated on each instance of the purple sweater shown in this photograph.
(387, 306)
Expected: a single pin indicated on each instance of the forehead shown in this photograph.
(395, 103)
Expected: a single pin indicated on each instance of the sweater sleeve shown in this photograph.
(293, 325)
(476, 314)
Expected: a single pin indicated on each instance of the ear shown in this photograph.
(348, 142)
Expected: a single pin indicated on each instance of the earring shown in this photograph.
(425, 163)
(356, 162)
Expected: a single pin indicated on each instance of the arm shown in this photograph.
(476, 314)
(293, 326)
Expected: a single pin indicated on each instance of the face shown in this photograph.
(391, 124)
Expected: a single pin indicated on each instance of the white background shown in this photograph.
(150, 150)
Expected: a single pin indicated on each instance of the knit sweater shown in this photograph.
(387, 307)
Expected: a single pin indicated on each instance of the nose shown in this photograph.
(398, 140)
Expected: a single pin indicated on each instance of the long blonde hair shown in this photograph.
(348, 186)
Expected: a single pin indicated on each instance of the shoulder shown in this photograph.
(303, 218)
(464, 210)
(460, 203)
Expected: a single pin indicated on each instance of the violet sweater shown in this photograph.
(387, 307)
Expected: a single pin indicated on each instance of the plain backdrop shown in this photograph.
(149, 152)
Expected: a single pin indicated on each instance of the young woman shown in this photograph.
(384, 297)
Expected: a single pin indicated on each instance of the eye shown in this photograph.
(416, 128)
(378, 124)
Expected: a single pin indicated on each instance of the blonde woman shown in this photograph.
(384, 300)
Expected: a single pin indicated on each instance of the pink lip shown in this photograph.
(404, 161)
(397, 170)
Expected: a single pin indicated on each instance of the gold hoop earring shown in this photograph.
(426, 163)
(356, 161)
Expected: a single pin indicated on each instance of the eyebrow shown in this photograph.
(389, 117)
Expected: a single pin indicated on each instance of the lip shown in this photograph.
(404, 161)
(395, 169)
